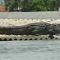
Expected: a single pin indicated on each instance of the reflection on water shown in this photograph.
(28, 50)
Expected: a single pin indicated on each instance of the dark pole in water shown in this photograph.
(51, 36)
(51, 33)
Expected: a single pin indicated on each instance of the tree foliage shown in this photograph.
(45, 5)
(34, 5)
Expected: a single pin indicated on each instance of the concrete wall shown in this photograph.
(30, 15)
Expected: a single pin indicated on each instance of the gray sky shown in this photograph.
(1, 1)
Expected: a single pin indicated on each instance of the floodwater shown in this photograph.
(30, 50)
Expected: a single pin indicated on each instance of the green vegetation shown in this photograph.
(10, 6)
(45, 5)
(33, 5)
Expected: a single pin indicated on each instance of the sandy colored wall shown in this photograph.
(22, 22)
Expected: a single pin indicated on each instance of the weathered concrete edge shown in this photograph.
(30, 15)
(26, 37)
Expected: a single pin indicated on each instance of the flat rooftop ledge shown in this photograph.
(30, 15)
